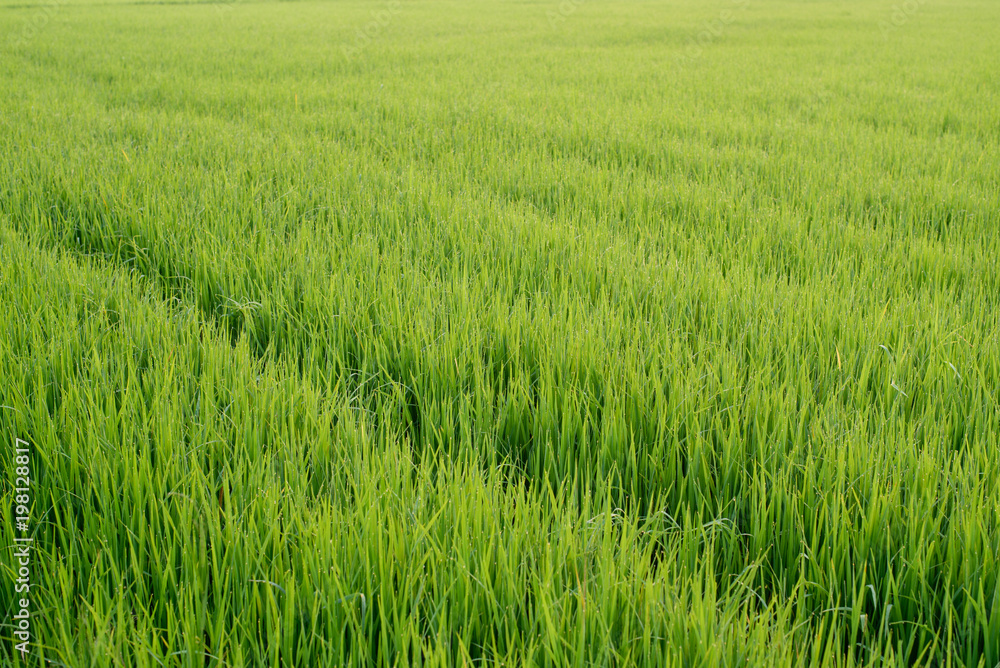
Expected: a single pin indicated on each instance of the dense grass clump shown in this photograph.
(505, 333)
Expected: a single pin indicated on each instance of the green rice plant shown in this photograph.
(503, 340)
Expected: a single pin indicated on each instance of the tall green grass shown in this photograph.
(503, 341)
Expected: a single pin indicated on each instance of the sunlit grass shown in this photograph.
(504, 340)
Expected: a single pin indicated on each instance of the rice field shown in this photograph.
(500, 333)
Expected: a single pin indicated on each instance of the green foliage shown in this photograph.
(502, 338)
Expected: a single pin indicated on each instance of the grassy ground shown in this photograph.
(513, 333)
